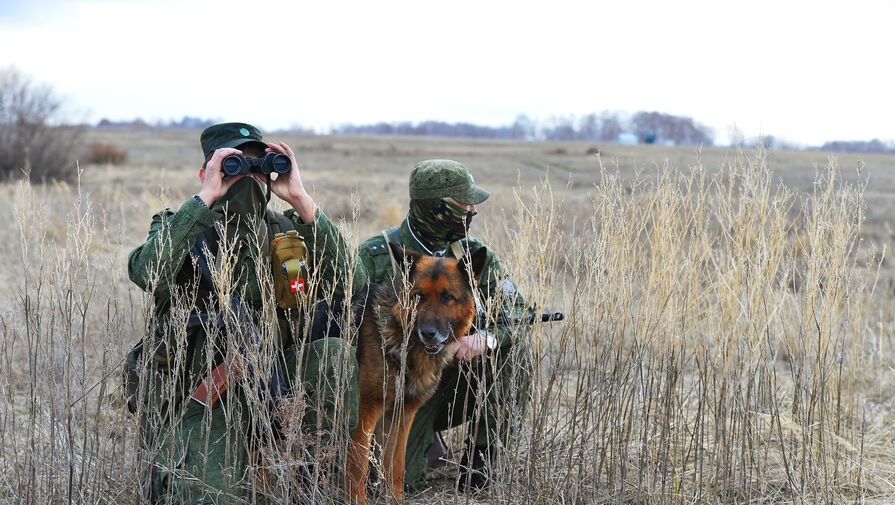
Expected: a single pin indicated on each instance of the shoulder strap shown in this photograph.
(392, 235)
(276, 223)
(204, 244)
(457, 249)
(273, 220)
(273, 226)
(391, 255)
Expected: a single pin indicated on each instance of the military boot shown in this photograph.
(475, 469)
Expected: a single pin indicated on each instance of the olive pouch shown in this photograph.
(289, 266)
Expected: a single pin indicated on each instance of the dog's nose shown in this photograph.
(428, 334)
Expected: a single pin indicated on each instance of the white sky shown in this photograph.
(806, 71)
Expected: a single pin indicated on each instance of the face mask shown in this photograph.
(245, 197)
(439, 222)
(243, 206)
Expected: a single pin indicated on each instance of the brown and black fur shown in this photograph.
(431, 301)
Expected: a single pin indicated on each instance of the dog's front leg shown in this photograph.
(397, 446)
(359, 453)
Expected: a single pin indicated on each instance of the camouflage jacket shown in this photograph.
(173, 234)
(496, 290)
(163, 264)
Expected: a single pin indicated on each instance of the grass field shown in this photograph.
(729, 313)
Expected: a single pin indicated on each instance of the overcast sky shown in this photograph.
(806, 71)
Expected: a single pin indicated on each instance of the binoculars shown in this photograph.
(237, 164)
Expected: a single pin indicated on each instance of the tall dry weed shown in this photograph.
(690, 368)
(722, 344)
(63, 436)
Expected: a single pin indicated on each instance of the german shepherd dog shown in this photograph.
(404, 341)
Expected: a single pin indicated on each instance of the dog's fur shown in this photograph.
(404, 340)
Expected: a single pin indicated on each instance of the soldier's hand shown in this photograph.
(289, 186)
(214, 185)
(470, 346)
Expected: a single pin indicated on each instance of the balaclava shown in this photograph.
(243, 229)
(438, 222)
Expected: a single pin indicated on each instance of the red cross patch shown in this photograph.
(297, 285)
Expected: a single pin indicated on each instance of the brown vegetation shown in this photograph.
(102, 152)
(726, 340)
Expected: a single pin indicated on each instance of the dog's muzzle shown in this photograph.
(432, 339)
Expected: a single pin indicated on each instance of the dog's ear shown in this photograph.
(405, 258)
(473, 266)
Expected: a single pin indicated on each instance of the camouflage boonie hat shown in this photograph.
(229, 135)
(445, 178)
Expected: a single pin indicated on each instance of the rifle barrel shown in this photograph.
(505, 320)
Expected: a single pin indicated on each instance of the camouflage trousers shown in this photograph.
(203, 456)
(491, 392)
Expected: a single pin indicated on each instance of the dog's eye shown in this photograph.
(446, 297)
(416, 297)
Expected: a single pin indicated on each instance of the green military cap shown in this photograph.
(229, 135)
(445, 178)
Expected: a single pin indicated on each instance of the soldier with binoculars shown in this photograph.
(198, 450)
(227, 164)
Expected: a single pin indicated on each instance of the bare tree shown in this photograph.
(33, 139)
(665, 127)
(523, 128)
(560, 128)
(611, 127)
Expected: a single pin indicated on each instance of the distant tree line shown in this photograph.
(648, 127)
(859, 146)
(606, 126)
(429, 128)
(187, 122)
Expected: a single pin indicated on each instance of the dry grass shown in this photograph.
(728, 335)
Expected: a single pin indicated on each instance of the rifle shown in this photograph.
(483, 322)
(220, 379)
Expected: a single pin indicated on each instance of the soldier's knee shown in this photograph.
(330, 377)
(331, 349)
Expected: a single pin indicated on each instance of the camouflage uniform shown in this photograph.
(201, 454)
(502, 376)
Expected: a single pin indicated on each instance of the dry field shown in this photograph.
(729, 327)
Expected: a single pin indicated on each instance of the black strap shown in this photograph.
(393, 235)
(273, 226)
(203, 245)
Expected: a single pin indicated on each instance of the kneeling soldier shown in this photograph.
(196, 380)
(488, 384)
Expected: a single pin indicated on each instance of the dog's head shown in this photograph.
(440, 304)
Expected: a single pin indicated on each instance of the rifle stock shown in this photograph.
(218, 381)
